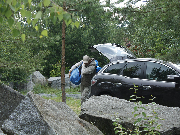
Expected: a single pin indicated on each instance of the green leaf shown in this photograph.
(140, 102)
(40, 4)
(13, 9)
(143, 108)
(144, 114)
(139, 119)
(38, 15)
(46, 2)
(14, 2)
(44, 33)
(1, 19)
(22, 7)
(9, 2)
(116, 131)
(52, 9)
(15, 32)
(146, 129)
(60, 17)
(77, 24)
(8, 13)
(135, 108)
(135, 122)
(147, 125)
(29, 21)
(23, 13)
(66, 16)
(68, 22)
(54, 20)
(36, 27)
(72, 25)
(19, 25)
(152, 128)
(29, 1)
(136, 115)
(28, 14)
(23, 37)
(10, 22)
(34, 22)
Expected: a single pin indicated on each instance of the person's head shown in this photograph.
(86, 60)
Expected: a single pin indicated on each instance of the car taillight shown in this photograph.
(93, 81)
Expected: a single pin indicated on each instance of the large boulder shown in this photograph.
(38, 116)
(38, 78)
(102, 110)
(9, 100)
(55, 82)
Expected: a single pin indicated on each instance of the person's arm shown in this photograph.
(74, 67)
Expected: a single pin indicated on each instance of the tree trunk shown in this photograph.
(63, 59)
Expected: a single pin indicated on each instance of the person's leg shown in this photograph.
(81, 88)
(85, 94)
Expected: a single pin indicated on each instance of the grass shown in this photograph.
(74, 104)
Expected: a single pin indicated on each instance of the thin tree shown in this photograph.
(63, 58)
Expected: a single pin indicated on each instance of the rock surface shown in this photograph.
(36, 115)
(102, 110)
(9, 100)
(29, 86)
(38, 78)
(56, 82)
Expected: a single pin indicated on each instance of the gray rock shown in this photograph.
(38, 78)
(29, 86)
(9, 100)
(51, 79)
(76, 96)
(47, 95)
(102, 110)
(38, 116)
(56, 82)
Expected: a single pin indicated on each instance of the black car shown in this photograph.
(148, 79)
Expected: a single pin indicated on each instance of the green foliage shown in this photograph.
(34, 13)
(152, 29)
(142, 122)
(56, 71)
(18, 59)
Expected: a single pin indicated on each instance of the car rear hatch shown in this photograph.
(114, 52)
